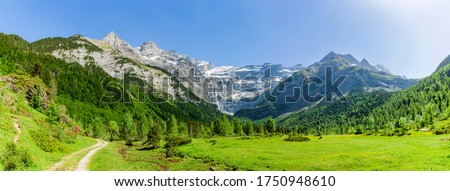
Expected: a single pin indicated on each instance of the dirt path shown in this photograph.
(17, 127)
(100, 143)
(82, 165)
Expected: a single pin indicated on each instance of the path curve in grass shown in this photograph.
(58, 165)
(82, 165)
(17, 127)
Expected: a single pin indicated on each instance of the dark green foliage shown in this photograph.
(223, 127)
(113, 130)
(53, 113)
(16, 158)
(36, 100)
(98, 128)
(183, 129)
(337, 117)
(172, 143)
(237, 125)
(420, 106)
(46, 142)
(425, 105)
(47, 45)
(248, 128)
(129, 129)
(88, 92)
(172, 126)
(143, 126)
(270, 126)
(153, 137)
(297, 138)
(213, 141)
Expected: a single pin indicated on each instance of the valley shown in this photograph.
(420, 151)
(78, 103)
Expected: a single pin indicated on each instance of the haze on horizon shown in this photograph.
(410, 37)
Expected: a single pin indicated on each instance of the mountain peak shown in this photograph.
(111, 34)
(347, 57)
(365, 64)
(112, 38)
(382, 68)
(149, 45)
(329, 57)
(149, 48)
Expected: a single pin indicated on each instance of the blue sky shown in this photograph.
(410, 37)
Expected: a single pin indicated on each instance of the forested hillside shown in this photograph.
(338, 117)
(425, 105)
(91, 96)
(349, 74)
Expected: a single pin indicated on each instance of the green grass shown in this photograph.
(45, 160)
(118, 157)
(42, 160)
(13, 105)
(420, 151)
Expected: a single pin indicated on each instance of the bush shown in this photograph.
(46, 142)
(441, 131)
(172, 143)
(248, 138)
(153, 138)
(297, 138)
(16, 158)
(213, 141)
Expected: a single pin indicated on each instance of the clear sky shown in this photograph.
(410, 37)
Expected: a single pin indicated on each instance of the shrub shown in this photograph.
(153, 138)
(16, 158)
(172, 143)
(248, 138)
(213, 141)
(297, 138)
(46, 142)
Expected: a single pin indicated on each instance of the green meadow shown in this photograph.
(420, 151)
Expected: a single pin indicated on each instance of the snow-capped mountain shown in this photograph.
(248, 81)
(229, 87)
(359, 76)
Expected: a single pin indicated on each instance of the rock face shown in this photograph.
(248, 82)
(232, 88)
(148, 61)
(117, 58)
(290, 94)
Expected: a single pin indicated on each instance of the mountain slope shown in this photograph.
(89, 93)
(42, 130)
(338, 117)
(290, 95)
(444, 63)
(424, 105)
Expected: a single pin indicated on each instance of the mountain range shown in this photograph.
(257, 92)
(249, 83)
(359, 76)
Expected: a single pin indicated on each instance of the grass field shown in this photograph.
(118, 157)
(420, 151)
